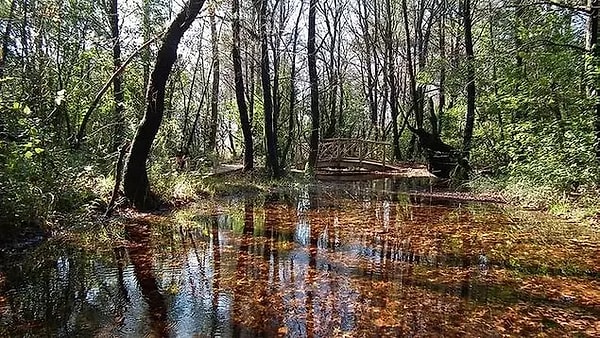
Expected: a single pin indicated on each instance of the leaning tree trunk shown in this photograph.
(135, 183)
(314, 86)
(239, 89)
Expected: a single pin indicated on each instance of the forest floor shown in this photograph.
(224, 169)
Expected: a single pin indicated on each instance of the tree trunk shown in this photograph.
(135, 183)
(270, 132)
(4, 56)
(433, 118)
(251, 74)
(275, 43)
(231, 140)
(183, 150)
(25, 64)
(594, 50)
(190, 138)
(332, 71)
(470, 115)
(146, 31)
(214, 101)
(119, 117)
(314, 86)
(411, 69)
(391, 79)
(118, 176)
(442, 101)
(239, 90)
(292, 107)
(371, 85)
(6, 39)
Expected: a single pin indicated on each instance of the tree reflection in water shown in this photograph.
(325, 263)
(140, 255)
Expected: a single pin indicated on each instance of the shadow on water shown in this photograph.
(363, 259)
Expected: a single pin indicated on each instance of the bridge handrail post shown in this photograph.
(360, 151)
(338, 151)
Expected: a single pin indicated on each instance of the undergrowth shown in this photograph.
(37, 189)
(581, 203)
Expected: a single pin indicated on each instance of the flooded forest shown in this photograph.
(299, 168)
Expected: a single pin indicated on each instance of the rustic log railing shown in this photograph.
(353, 149)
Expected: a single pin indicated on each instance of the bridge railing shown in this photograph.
(362, 150)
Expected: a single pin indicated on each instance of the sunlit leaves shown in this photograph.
(60, 97)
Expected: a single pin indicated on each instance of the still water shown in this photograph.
(335, 259)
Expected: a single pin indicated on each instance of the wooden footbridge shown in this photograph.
(354, 153)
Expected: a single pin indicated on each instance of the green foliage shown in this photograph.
(534, 127)
(36, 183)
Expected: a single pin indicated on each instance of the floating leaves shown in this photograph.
(354, 267)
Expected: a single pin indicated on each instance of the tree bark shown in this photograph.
(292, 107)
(442, 101)
(146, 32)
(392, 82)
(6, 39)
(135, 183)
(190, 137)
(214, 101)
(270, 132)
(119, 112)
(275, 43)
(332, 70)
(371, 85)
(251, 75)
(314, 86)
(239, 90)
(4, 56)
(594, 50)
(118, 177)
(188, 106)
(411, 69)
(470, 115)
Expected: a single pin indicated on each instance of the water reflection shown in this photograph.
(359, 260)
(140, 255)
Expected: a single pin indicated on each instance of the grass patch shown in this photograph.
(193, 186)
(581, 204)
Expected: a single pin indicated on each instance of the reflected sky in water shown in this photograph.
(353, 259)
